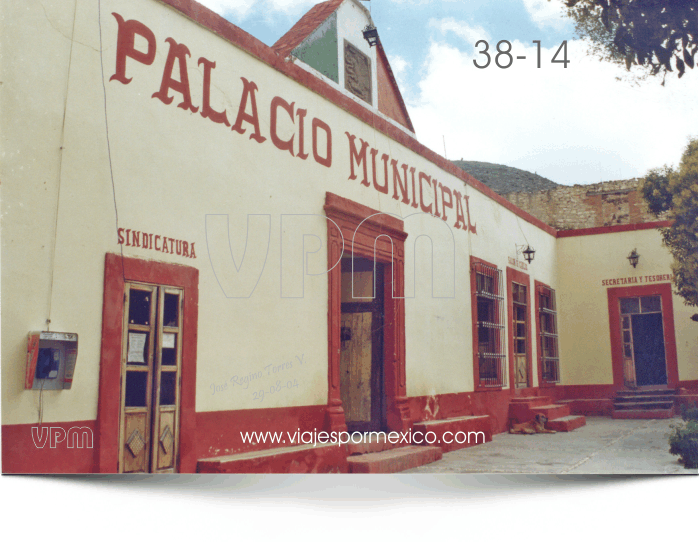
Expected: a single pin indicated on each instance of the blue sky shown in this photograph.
(575, 125)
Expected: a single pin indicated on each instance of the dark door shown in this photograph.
(649, 349)
(361, 351)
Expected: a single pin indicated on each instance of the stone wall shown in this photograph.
(584, 206)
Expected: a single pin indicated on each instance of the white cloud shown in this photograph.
(469, 33)
(400, 68)
(546, 13)
(574, 125)
(242, 8)
(223, 7)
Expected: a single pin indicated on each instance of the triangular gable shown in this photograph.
(318, 44)
(305, 26)
(390, 99)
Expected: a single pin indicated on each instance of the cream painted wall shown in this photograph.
(171, 169)
(583, 263)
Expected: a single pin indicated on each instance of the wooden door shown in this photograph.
(150, 378)
(361, 341)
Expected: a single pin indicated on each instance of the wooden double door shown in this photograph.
(362, 387)
(151, 365)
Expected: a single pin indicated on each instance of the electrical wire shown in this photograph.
(60, 171)
(106, 126)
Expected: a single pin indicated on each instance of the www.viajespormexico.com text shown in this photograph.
(342, 437)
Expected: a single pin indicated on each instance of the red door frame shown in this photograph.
(665, 292)
(381, 237)
(520, 277)
(117, 270)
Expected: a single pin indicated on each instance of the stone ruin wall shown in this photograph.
(584, 206)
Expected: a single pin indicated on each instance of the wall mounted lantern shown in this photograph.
(633, 257)
(371, 35)
(528, 253)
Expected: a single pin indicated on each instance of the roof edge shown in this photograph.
(251, 45)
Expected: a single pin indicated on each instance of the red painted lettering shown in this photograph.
(135, 238)
(328, 159)
(460, 219)
(125, 47)
(397, 182)
(374, 152)
(435, 183)
(120, 234)
(178, 52)
(424, 177)
(191, 252)
(446, 191)
(301, 154)
(412, 175)
(127, 237)
(381, 188)
(359, 157)
(249, 88)
(284, 145)
(185, 249)
(207, 112)
(157, 237)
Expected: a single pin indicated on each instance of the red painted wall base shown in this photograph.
(20, 454)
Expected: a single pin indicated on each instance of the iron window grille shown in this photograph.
(490, 308)
(548, 335)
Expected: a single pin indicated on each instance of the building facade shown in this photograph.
(238, 238)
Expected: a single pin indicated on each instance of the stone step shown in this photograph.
(476, 430)
(630, 404)
(643, 392)
(395, 460)
(566, 423)
(522, 409)
(643, 414)
(372, 444)
(644, 398)
(531, 401)
(553, 411)
(301, 459)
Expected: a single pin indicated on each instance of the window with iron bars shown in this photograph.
(490, 325)
(548, 335)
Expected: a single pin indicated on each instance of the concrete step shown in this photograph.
(643, 414)
(566, 423)
(301, 459)
(476, 430)
(395, 460)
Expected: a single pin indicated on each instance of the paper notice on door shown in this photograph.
(137, 344)
(169, 340)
